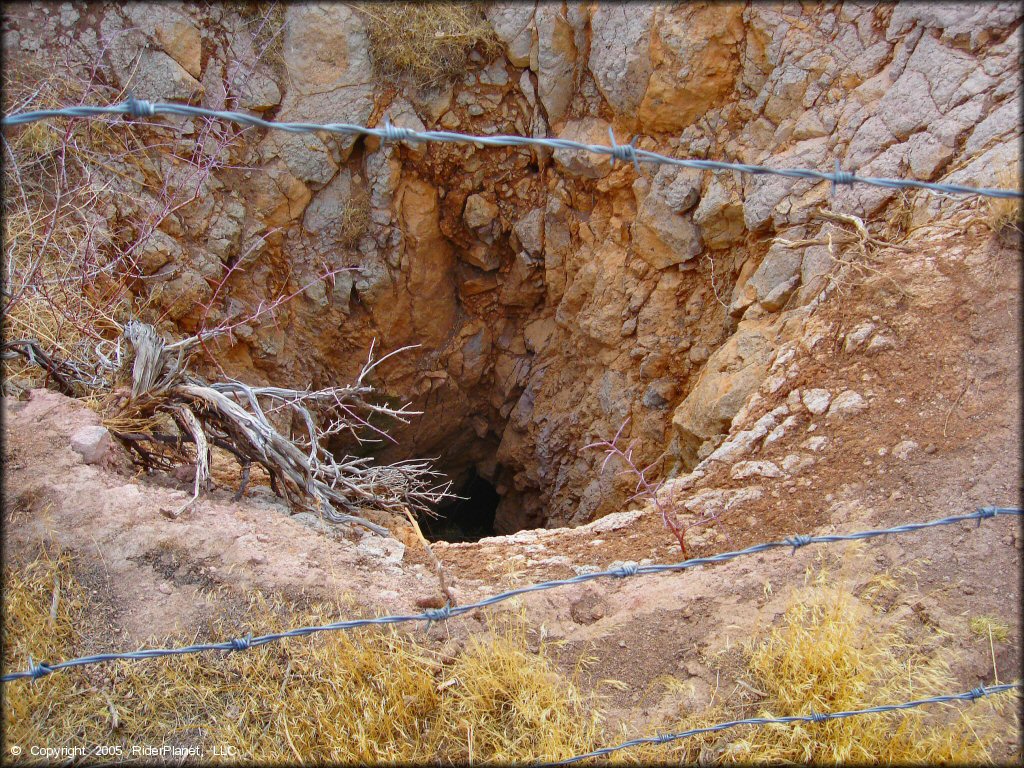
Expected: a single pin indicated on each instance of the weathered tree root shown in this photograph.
(238, 418)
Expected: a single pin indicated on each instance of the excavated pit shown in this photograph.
(468, 518)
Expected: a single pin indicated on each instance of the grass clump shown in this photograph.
(1005, 213)
(355, 217)
(825, 656)
(428, 43)
(365, 697)
(990, 627)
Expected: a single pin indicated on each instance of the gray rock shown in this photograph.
(927, 155)
(587, 130)
(660, 393)
(479, 212)
(92, 442)
(777, 274)
(816, 400)
(530, 231)
(161, 78)
(513, 23)
(384, 549)
(744, 469)
(967, 22)
(662, 235)
(308, 159)
(556, 60)
(795, 462)
(324, 214)
(158, 250)
(765, 194)
(329, 73)
(255, 90)
(814, 271)
(904, 448)
(847, 403)
(815, 443)
(620, 57)
(858, 336)
(1002, 123)
(719, 216)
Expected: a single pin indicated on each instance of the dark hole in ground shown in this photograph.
(467, 519)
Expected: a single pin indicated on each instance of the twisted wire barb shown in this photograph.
(36, 671)
(140, 108)
(813, 717)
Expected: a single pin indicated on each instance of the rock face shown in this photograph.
(553, 294)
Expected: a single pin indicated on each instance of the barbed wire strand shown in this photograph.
(140, 108)
(41, 669)
(813, 717)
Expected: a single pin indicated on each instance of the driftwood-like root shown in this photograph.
(243, 420)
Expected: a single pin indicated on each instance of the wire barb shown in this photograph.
(984, 513)
(139, 107)
(242, 643)
(629, 569)
(394, 133)
(841, 177)
(623, 152)
(35, 671)
(800, 540)
(438, 614)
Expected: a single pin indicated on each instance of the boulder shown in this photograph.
(733, 372)
(479, 212)
(181, 41)
(695, 58)
(514, 25)
(92, 442)
(530, 231)
(556, 61)
(587, 130)
(329, 73)
(663, 235)
(720, 216)
(777, 276)
(620, 54)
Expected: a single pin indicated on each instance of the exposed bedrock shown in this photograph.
(552, 296)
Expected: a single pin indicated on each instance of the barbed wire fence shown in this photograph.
(139, 109)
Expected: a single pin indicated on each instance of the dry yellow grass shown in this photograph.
(828, 656)
(1006, 213)
(990, 627)
(379, 696)
(429, 43)
(368, 697)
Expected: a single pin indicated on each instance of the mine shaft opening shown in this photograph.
(469, 518)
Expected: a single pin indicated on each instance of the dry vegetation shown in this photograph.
(1006, 213)
(364, 697)
(428, 43)
(375, 696)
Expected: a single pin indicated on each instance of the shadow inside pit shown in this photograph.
(467, 519)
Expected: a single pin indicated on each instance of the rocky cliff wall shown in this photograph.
(552, 297)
